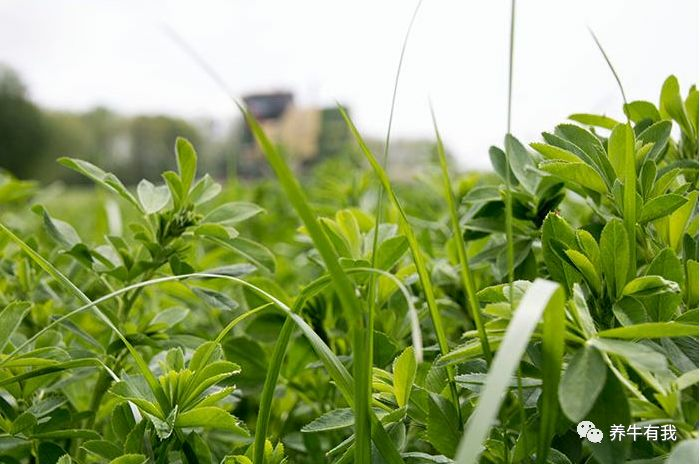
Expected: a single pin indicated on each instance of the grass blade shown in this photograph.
(372, 284)
(543, 297)
(351, 304)
(509, 201)
(273, 372)
(283, 340)
(465, 272)
(416, 252)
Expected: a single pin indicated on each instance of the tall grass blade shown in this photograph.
(379, 209)
(343, 286)
(510, 252)
(543, 297)
(352, 306)
(273, 372)
(283, 340)
(610, 65)
(416, 252)
(465, 272)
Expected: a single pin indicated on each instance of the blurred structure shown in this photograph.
(307, 134)
(141, 146)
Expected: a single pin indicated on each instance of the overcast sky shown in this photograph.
(75, 54)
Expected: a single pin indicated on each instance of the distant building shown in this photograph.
(306, 134)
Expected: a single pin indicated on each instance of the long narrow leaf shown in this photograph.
(465, 272)
(416, 252)
(543, 297)
(351, 304)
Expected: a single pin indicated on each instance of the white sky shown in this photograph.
(75, 54)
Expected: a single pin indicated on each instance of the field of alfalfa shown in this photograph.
(544, 313)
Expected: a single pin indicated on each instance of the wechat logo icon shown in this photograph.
(587, 429)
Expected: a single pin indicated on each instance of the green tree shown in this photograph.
(23, 134)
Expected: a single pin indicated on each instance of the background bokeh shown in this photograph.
(96, 69)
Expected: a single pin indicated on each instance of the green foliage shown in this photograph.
(163, 329)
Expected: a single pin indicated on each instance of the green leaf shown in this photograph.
(647, 177)
(666, 264)
(61, 232)
(102, 448)
(83, 434)
(152, 198)
(186, 164)
(555, 231)
(611, 408)
(638, 355)
(215, 231)
(197, 447)
(671, 105)
(130, 459)
(522, 164)
(351, 231)
(684, 452)
(578, 173)
(616, 150)
(660, 206)
(175, 186)
(594, 120)
(443, 425)
(210, 417)
(555, 153)
(204, 190)
(233, 213)
(252, 251)
(49, 452)
(614, 253)
(390, 251)
(542, 297)
(588, 146)
(105, 179)
(692, 292)
(415, 457)
(136, 390)
(404, 369)
(122, 420)
(164, 427)
(582, 382)
(336, 419)
(651, 330)
(10, 318)
(640, 110)
(658, 134)
(691, 106)
(22, 423)
(168, 318)
(236, 460)
(215, 299)
(584, 265)
(649, 285)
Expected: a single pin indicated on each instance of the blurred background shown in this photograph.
(107, 81)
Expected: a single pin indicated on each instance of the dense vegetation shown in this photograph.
(476, 320)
